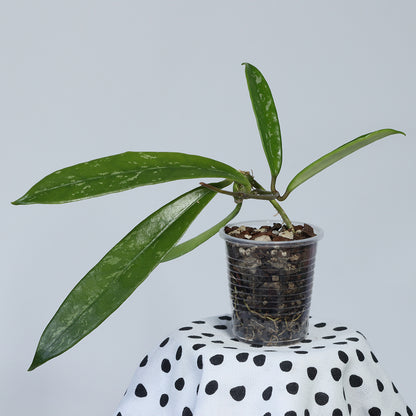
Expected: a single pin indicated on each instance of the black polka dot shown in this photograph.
(165, 365)
(259, 360)
(336, 373)
(144, 361)
(235, 339)
(199, 362)
(216, 359)
(318, 347)
(329, 337)
(321, 398)
(197, 389)
(306, 412)
(225, 318)
(374, 357)
(312, 372)
(197, 347)
(178, 353)
(267, 393)
(353, 339)
(185, 328)
(194, 336)
(380, 385)
(217, 341)
(220, 326)
(355, 381)
(140, 390)
(349, 408)
(242, 357)
(238, 393)
(306, 341)
(119, 414)
(290, 413)
(267, 414)
(179, 384)
(394, 388)
(211, 387)
(186, 412)
(164, 398)
(301, 352)
(256, 345)
(292, 388)
(343, 356)
(295, 347)
(337, 412)
(409, 412)
(286, 366)
(164, 342)
(230, 348)
(320, 325)
(397, 414)
(340, 328)
(340, 343)
(374, 411)
(207, 334)
(360, 355)
(198, 322)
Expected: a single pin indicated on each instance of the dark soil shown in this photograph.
(271, 287)
(274, 232)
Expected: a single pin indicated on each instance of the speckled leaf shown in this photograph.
(189, 245)
(266, 116)
(121, 172)
(335, 155)
(110, 282)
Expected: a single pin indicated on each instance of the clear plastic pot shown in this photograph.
(271, 286)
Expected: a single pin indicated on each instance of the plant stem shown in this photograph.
(241, 195)
(279, 209)
(273, 184)
(283, 214)
(262, 194)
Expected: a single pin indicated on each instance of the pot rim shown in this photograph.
(306, 241)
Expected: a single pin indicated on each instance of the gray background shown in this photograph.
(85, 79)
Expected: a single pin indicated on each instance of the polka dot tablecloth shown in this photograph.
(201, 370)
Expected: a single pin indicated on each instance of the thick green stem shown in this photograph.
(283, 214)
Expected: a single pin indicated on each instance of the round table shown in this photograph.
(201, 370)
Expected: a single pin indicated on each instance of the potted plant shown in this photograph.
(288, 247)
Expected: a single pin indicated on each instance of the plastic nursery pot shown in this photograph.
(271, 286)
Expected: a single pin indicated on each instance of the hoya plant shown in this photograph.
(156, 238)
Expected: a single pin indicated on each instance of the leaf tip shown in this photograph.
(21, 201)
(34, 365)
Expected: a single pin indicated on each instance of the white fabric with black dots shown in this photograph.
(200, 370)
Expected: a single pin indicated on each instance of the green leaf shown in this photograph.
(111, 281)
(266, 116)
(335, 155)
(189, 245)
(121, 172)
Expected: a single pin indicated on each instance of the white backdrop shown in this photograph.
(85, 79)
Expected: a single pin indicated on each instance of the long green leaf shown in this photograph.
(335, 155)
(266, 116)
(110, 282)
(189, 245)
(121, 172)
